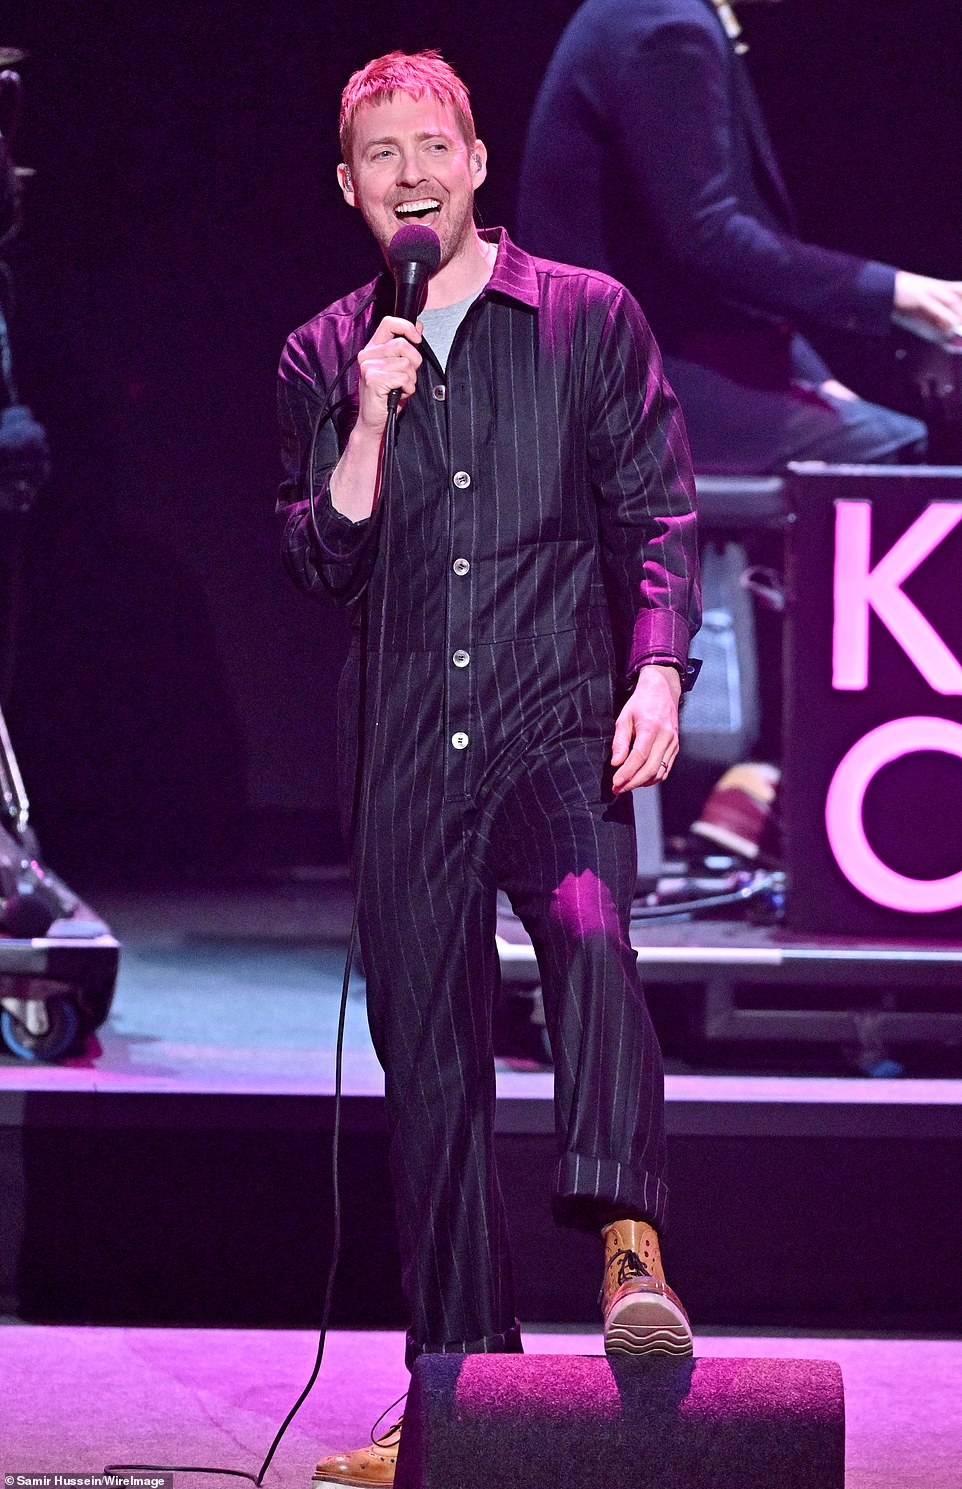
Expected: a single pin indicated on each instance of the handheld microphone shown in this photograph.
(414, 254)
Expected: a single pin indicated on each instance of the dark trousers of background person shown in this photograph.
(735, 429)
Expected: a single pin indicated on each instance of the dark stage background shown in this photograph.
(173, 703)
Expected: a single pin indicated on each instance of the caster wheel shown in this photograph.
(56, 1041)
(31, 913)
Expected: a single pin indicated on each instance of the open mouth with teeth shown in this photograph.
(425, 209)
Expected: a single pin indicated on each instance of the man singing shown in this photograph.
(537, 612)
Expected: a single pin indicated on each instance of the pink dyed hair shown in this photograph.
(414, 73)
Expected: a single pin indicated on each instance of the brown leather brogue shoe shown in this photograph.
(364, 1468)
(642, 1315)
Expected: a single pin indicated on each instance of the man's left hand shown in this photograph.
(645, 741)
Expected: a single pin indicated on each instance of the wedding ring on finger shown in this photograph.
(663, 766)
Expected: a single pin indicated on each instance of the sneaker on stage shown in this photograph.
(364, 1468)
(642, 1315)
(738, 813)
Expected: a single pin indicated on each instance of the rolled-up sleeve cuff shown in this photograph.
(659, 634)
(337, 539)
(341, 539)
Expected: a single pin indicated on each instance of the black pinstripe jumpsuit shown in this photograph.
(542, 545)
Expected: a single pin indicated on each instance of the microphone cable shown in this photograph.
(367, 762)
(366, 772)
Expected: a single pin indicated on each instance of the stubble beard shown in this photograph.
(456, 238)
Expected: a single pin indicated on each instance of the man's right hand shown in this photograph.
(928, 304)
(389, 361)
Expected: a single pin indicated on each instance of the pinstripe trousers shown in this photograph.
(535, 816)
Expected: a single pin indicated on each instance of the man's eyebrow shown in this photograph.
(422, 134)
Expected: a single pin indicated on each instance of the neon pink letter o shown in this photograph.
(846, 830)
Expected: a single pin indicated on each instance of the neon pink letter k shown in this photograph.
(860, 589)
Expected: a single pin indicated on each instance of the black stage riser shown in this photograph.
(569, 1421)
(230, 1225)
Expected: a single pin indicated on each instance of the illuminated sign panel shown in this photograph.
(872, 784)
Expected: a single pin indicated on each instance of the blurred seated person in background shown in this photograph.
(647, 157)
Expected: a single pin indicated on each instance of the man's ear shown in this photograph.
(479, 162)
(346, 182)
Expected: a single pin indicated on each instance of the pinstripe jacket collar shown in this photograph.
(514, 277)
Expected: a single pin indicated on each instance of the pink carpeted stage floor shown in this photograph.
(76, 1399)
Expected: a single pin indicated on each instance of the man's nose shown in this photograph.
(411, 169)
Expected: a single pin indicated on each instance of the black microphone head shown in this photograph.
(415, 244)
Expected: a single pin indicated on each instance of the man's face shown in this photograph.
(410, 164)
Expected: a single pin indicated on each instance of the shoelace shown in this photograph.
(384, 1439)
(629, 1264)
